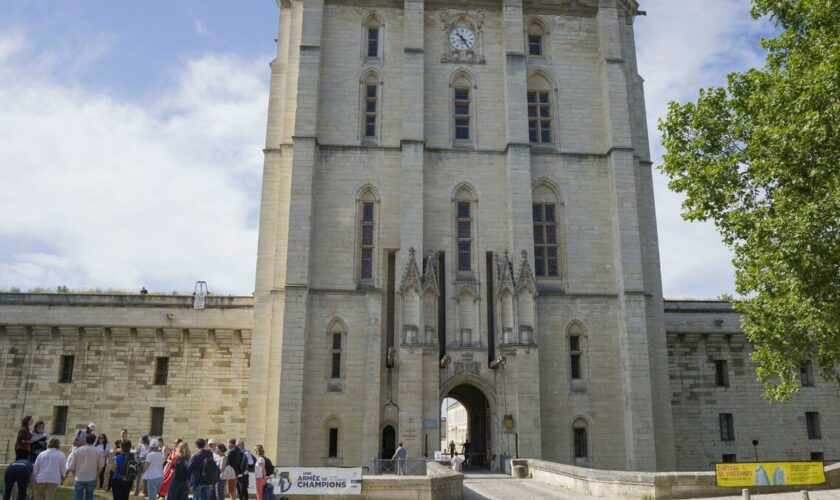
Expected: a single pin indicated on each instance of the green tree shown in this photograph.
(761, 160)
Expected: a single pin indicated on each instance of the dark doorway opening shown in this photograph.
(478, 425)
(389, 442)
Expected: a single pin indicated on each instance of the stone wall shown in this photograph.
(114, 340)
(701, 332)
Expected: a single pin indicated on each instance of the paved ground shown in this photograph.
(503, 487)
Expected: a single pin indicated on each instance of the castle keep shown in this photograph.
(457, 202)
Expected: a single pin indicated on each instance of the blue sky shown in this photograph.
(133, 135)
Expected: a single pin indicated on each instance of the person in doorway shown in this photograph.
(451, 450)
(49, 470)
(400, 457)
(465, 449)
(85, 463)
(18, 473)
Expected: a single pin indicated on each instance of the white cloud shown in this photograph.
(113, 193)
(682, 47)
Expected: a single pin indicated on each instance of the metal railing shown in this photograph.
(407, 467)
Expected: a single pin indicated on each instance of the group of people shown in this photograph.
(152, 468)
(457, 462)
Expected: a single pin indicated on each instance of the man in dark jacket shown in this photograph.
(196, 466)
(18, 473)
(236, 459)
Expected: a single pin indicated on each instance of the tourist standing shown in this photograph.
(23, 443)
(153, 470)
(17, 473)
(237, 459)
(121, 480)
(400, 457)
(226, 471)
(39, 440)
(85, 464)
(202, 488)
(179, 485)
(169, 469)
(259, 470)
(142, 451)
(104, 448)
(451, 450)
(466, 450)
(49, 470)
(80, 438)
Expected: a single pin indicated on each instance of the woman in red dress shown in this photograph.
(169, 470)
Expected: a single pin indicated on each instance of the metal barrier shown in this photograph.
(410, 467)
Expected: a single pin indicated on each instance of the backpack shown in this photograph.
(269, 470)
(268, 492)
(209, 471)
(249, 460)
(129, 472)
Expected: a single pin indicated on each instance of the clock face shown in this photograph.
(462, 38)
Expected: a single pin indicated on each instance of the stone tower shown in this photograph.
(457, 202)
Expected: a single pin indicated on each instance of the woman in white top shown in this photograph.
(49, 471)
(153, 469)
(105, 447)
(259, 470)
(221, 461)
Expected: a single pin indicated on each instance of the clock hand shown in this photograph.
(462, 39)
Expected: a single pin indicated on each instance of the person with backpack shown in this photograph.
(124, 471)
(179, 486)
(204, 474)
(84, 463)
(237, 459)
(259, 470)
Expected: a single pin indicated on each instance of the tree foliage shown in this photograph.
(761, 160)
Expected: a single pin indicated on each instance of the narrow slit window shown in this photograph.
(367, 237)
(727, 427)
(373, 42)
(370, 110)
(60, 420)
(545, 240)
(333, 446)
(806, 374)
(575, 354)
(161, 370)
(812, 422)
(335, 371)
(721, 373)
(464, 235)
(66, 374)
(156, 426)
(581, 439)
(462, 114)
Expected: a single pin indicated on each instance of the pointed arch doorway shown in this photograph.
(389, 442)
(473, 424)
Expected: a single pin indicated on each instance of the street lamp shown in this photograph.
(755, 448)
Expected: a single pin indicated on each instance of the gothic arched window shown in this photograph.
(463, 108)
(367, 215)
(370, 105)
(465, 207)
(535, 38)
(372, 37)
(547, 215)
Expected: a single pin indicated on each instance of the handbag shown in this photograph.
(228, 473)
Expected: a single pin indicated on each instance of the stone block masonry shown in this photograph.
(115, 342)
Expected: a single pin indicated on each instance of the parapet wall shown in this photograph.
(608, 483)
(114, 340)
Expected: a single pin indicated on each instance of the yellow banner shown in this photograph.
(769, 473)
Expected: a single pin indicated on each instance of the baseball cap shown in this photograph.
(92, 425)
(155, 443)
(210, 441)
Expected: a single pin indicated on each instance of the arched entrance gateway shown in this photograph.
(478, 401)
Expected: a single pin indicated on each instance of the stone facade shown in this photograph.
(398, 266)
(415, 322)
